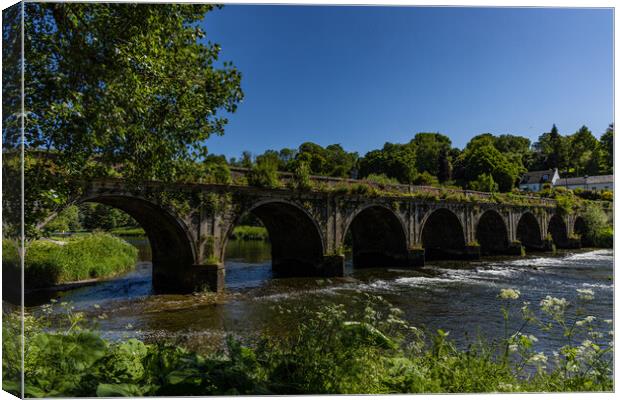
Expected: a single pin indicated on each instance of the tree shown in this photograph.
(340, 162)
(394, 160)
(445, 165)
(129, 86)
(67, 221)
(584, 152)
(515, 148)
(332, 160)
(481, 157)
(429, 147)
(484, 183)
(99, 216)
(553, 150)
(607, 151)
(264, 172)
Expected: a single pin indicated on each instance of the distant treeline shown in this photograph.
(488, 162)
(90, 217)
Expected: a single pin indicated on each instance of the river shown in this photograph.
(456, 296)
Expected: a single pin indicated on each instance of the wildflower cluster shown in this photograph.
(587, 361)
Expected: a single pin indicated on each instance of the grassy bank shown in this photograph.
(332, 351)
(244, 232)
(97, 255)
(128, 232)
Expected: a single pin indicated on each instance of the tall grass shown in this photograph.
(331, 351)
(129, 232)
(96, 255)
(245, 232)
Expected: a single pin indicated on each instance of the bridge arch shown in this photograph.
(528, 232)
(558, 231)
(297, 243)
(442, 235)
(172, 247)
(491, 233)
(379, 237)
(581, 229)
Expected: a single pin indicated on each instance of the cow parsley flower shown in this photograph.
(509, 294)
(585, 294)
(553, 306)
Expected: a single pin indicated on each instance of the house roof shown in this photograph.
(537, 176)
(596, 179)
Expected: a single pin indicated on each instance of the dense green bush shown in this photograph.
(244, 232)
(381, 179)
(264, 174)
(66, 221)
(96, 255)
(301, 173)
(332, 351)
(604, 195)
(484, 183)
(425, 179)
(598, 230)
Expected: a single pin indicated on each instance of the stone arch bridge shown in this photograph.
(188, 226)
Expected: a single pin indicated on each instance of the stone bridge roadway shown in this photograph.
(188, 226)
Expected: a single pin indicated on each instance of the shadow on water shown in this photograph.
(457, 296)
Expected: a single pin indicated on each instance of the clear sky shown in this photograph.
(363, 76)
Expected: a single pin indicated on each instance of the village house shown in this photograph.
(533, 181)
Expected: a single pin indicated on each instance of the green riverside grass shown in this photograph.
(96, 255)
(245, 232)
(131, 232)
(332, 351)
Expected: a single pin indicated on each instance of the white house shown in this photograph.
(597, 182)
(534, 180)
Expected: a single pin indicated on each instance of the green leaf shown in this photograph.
(119, 390)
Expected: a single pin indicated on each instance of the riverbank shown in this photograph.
(80, 258)
(245, 232)
(335, 350)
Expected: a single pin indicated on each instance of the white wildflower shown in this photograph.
(553, 306)
(585, 294)
(540, 359)
(513, 348)
(509, 294)
(596, 335)
(609, 321)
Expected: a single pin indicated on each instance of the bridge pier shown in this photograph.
(469, 252)
(514, 249)
(208, 277)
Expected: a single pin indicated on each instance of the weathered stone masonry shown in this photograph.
(188, 226)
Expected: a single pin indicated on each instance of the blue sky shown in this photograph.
(363, 76)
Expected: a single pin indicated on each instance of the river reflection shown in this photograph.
(460, 297)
